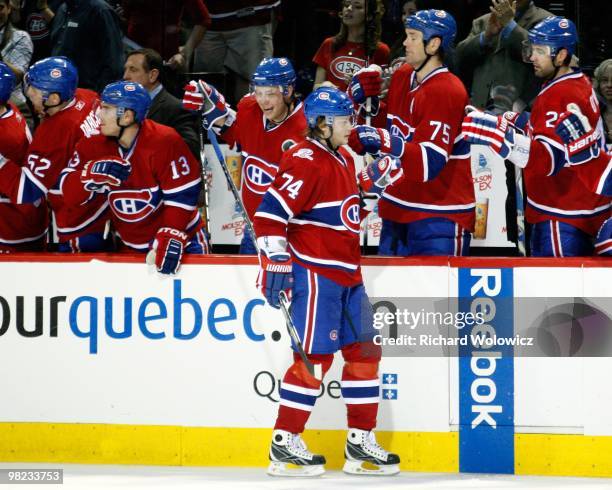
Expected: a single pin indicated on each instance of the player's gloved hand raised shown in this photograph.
(102, 175)
(167, 250)
(274, 275)
(366, 139)
(367, 82)
(482, 128)
(379, 174)
(580, 139)
(200, 96)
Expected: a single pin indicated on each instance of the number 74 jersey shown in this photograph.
(314, 203)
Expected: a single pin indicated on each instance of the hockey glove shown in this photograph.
(365, 83)
(167, 250)
(101, 175)
(200, 96)
(375, 141)
(274, 275)
(374, 178)
(498, 133)
(580, 139)
(379, 174)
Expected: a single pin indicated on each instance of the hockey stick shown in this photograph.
(314, 369)
(230, 182)
(284, 301)
(204, 163)
(520, 211)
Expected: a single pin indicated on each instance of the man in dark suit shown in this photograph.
(145, 66)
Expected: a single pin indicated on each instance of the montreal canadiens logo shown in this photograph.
(283, 62)
(440, 13)
(132, 206)
(258, 174)
(37, 26)
(344, 66)
(349, 214)
(55, 73)
(563, 24)
(323, 96)
(130, 88)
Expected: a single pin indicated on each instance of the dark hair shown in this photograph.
(316, 132)
(374, 10)
(152, 59)
(8, 31)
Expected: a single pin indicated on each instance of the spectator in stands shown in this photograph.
(35, 18)
(240, 36)
(88, 33)
(156, 24)
(602, 82)
(354, 46)
(491, 54)
(398, 50)
(145, 66)
(16, 52)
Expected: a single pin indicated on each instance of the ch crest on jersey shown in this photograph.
(349, 213)
(132, 206)
(258, 174)
(344, 66)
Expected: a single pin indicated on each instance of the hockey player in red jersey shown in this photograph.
(431, 211)
(565, 185)
(146, 173)
(308, 232)
(267, 121)
(22, 226)
(68, 115)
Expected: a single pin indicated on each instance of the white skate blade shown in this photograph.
(278, 468)
(354, 467)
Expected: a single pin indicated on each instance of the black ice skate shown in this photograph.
(361, 447)
(288, 448)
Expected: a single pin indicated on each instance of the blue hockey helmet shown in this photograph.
(556, 32)
(328, 102)
(273, 72)
(434, 23)
(127, 95)
(7, 82)
(55, 75)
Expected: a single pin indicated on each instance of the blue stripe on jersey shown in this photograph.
(557, 154)
(271, 205)
(292, 396)
(30, 188)
(185, 195)
(327, 215)
(461, 148)
(435, 162)
(360, 392)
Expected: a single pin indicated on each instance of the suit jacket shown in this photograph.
(168, 110)
(502, 62)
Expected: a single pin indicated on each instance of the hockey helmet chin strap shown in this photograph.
(46, 107)
(120, 113)
(427, 55)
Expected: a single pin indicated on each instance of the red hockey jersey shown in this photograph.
(437, 179)
(162, 189)
(555, 191)
(262, 148)
(20, 224)
(49, 153)
(340, 65)
(314, 202)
